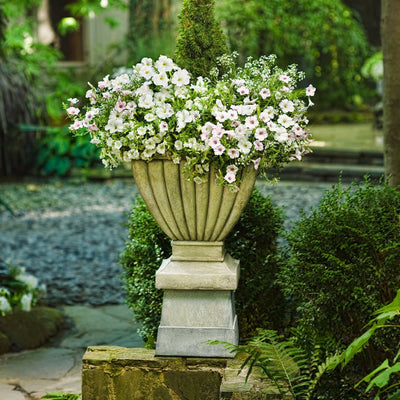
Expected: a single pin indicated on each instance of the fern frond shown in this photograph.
(329, 364)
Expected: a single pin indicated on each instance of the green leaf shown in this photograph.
(382, 379)
(384, 365)
(61, 396)
(390, 310)
(356, 346)
(394, 396)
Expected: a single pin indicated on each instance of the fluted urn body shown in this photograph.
(187, 211)
(199, 279)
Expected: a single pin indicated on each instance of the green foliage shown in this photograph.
(17, 105)
(321, 36)
(373, 67)
(386, 377)
(200, 41)
(86, 8)
(58, 152)
(291, 369)
(62, 396)
(344, 263)
(23, 71)
(253, 241)
(151, 29)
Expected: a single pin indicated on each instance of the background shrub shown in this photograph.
(344, 264)
(322, 36)
(59, 152)
(259, 301)
(144, 252)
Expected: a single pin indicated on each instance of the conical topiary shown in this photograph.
(200, 38)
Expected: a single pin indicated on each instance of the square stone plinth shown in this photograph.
(117, 373)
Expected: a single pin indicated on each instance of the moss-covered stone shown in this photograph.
(116, 373)
(28, 330)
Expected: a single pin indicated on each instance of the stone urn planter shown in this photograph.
(200, 278)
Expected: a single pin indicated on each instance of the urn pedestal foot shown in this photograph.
(190, 318)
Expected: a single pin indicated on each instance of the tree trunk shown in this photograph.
(390, 31)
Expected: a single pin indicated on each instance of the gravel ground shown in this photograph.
(70, 235)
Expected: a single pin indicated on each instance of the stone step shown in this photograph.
(322, 172)
(344, 156)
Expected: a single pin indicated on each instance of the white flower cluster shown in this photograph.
(255, 115)
(21, 291)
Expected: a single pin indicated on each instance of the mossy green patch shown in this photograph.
(28, 330)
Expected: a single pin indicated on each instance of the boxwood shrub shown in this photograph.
(344, 264)
(259, 301)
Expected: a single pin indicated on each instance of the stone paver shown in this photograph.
(8, 392)
(30, 374)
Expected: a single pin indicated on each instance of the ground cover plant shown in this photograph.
(252, 241)
(18, 289)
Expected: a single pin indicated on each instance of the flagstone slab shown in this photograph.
(8, 392)
(51, 363)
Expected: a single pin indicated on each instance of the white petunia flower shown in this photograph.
(285, 78)
(178, 145)
(281, 136)
(219, 150)
(285, 120)
(141, 131)
(233, 153)
(286, 106)
(243, 90)
(264, 93)
(310, 90)
(251, 122)
(146, 101)
(258, 145)
(164, 64)
(149, 117)
(161, 79)
(147, 72)
(244, 146)
(261, 134)
(73, 110)
(230, 177)
(115, 125)
(181, 77)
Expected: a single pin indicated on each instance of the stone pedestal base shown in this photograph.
(198, 305)
(117, 373)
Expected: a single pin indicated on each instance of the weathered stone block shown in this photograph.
(112, 373)
(117, 373)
